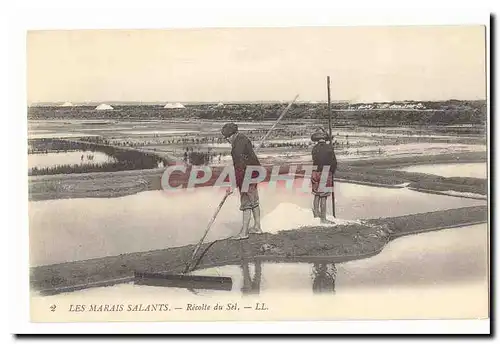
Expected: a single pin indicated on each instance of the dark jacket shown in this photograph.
(324, 155)
(243, 155)
(242, 152)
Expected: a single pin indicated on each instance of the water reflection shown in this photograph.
(471, 170)
(324, 276)
(251, 286)
(439, 263)
(323, 273)
(78, 157)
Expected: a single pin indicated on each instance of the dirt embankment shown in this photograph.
(333, 244)
(375, 172)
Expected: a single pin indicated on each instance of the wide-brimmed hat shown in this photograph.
(229, 129)
(319, 135)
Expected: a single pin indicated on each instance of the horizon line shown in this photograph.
(92, 102)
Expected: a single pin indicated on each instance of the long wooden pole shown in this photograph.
(277, 121)
(188, 265)
(330, 133)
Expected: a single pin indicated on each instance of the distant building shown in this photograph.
(67, 104)
(365, 107)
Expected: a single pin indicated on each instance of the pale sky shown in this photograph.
(364, 63)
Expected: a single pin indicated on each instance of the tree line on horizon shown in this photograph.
(439, 113)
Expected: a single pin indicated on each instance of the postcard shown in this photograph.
(258, 174)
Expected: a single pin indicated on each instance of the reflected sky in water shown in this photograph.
(472, 170)
(451, 256)
(81, 157)
(447, 258)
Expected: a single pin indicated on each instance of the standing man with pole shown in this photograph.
(323, 156)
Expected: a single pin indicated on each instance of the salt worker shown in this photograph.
(243, 156)
(322, 155)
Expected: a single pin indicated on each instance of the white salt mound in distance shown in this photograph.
(174, 106)
(104, 107)
(289, 216)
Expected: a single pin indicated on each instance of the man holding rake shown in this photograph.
(244, 156)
